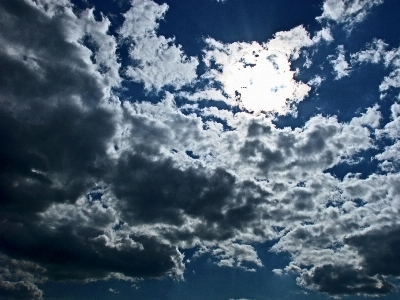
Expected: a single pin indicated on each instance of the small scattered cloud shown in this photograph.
(340, 66)
(316, 81)
(114, 291)
(349, 12)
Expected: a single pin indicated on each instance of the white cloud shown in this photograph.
(347, 11)
(316, 81)
(340, 66)
(371, 118)
(377, 52)
(207, 94)
(114, 291)
(234, 255)
(157, 61)
(374, 53)
(324, 34)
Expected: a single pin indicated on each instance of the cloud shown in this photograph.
(347, 11)
(316, 81)
(374, 53)
(235, 255)
(389, 158)
(114, 291)
(324, 34)
(18, 279)
(59, 104)
(157, 61)
(96, 187)
(340, 65)
(344, 280)
(378, 52)
(19, 290)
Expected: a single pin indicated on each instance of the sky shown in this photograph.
(203, 149)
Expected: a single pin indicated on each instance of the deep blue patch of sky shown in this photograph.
(203, 280)
(234, 20)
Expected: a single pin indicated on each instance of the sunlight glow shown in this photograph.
(260, 79)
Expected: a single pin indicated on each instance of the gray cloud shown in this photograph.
(344, 279)
(95, 187)
(379, 248)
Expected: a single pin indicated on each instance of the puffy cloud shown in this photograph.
(233, 254)
(316, 81)
(331, 253)
(389, 157)
(58, 118)
(374, 53)
(344, 279)
(347, 11)
(157, 61)
(94, 187)
(19, 290)
(379, 249)
(324, 34)
(377, 52)
(340, 65)
(18, 278)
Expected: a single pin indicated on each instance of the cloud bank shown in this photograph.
(94, 186)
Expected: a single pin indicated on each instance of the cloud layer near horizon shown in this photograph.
(94, 186)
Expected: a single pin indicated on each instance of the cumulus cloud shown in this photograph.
(18, 279)
(347, 11)
(157, 61)
(340, 65)
(344, 280)
(376, 52)
(96, 187)
(233, 254)
(59, 102)
(316, 81)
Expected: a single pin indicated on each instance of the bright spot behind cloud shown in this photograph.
(258, 77)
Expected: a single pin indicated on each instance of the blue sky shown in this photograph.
(205, 149)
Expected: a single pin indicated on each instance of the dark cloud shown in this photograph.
(344, 279)
(380, 250)
(267, 157)
(171, 193)
(256, 129)
(54, 132)
(92, 187)
(19, 290)
(174, 195)
(40, 67)
(54, 161)
(51, 145)
(18, 278)
(79, 253)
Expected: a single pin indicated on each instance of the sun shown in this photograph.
(261, 80)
